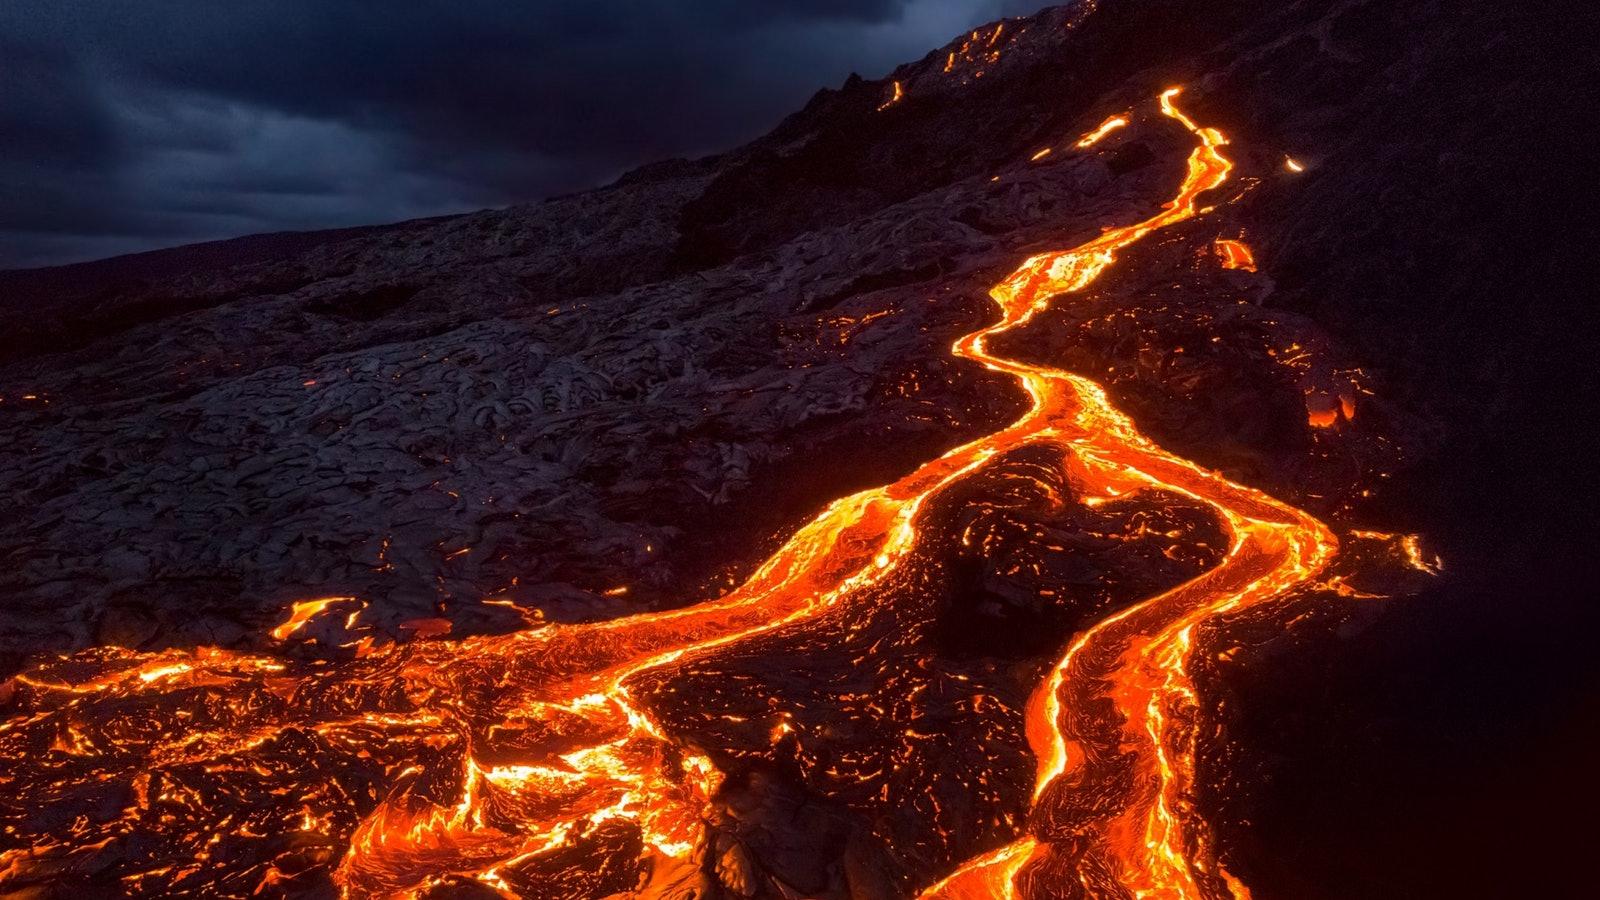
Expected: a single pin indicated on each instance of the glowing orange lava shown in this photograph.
(1101, 130)
(898, 94)
(483, 756)
(1236, 255)
(1151, 846)
(300, 614)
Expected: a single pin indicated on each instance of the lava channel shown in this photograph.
(474, 761)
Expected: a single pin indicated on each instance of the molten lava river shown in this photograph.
(661, 753)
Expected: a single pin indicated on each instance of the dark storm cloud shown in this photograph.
(137, 123)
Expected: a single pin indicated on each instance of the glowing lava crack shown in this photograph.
(481, 756)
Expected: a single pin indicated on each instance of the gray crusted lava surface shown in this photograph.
(622, 399)
(641, 387)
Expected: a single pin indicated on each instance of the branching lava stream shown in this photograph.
(486, 758)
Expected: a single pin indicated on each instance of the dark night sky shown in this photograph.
(134, 124)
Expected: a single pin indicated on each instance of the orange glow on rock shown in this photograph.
(1235, 255)
(1101, 130)
(898, 94)
(301, 613)
(1325, 410)
(489, 753)
(427, 628)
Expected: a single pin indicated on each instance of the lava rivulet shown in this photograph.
(417, 765)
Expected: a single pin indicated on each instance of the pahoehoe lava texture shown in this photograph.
(485, 428)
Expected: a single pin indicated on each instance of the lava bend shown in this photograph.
(537, 740)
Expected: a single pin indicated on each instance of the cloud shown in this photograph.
(155, 122)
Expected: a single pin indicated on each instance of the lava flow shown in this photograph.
(536, 763)
(1143, 844)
